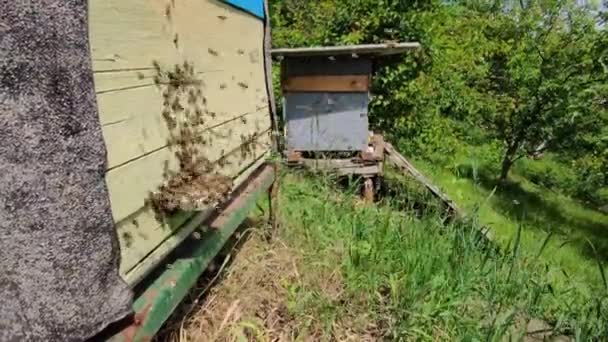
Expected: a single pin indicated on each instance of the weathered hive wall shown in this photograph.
(135, 44)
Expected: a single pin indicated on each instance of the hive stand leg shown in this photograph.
(368, 189)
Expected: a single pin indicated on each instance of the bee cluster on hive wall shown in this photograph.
(195, 185)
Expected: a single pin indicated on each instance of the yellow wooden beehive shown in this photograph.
(138, 47)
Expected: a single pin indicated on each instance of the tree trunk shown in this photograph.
(506, 167)
(508, 161)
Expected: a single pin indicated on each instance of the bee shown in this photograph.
(191, 96)
(176, 106)
(156, 66)
(128, 238)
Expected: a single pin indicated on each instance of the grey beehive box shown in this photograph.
(326, 92)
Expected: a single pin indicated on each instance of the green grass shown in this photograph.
(578, 234)
(374, 272)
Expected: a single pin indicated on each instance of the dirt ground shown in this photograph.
(241, 298)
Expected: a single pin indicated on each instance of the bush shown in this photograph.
(582, 179)
(549, 173)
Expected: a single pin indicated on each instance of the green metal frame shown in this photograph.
(164, 294)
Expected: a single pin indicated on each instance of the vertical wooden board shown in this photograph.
(142, 232)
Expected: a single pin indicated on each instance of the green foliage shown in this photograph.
(532, 78)
(550, 174)
(584, 178)
(327, 22)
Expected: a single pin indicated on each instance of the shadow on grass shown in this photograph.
(534, 211)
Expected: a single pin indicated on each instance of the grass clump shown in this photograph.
(414, 278)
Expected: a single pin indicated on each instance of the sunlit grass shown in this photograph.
(412, 277)
(540, 212)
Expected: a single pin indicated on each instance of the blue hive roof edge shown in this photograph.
(254, 7)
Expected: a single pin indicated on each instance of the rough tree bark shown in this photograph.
(508, 160)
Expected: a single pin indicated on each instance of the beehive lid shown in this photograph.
(370, 50)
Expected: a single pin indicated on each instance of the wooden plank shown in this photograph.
(122, 95)
(343, 167)
(141, 232)
(206, 32)
(132, 120)
(138, 264)
(403, 164)
(453, 211)
(364, 49)
(327, 83)
(141, 135)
